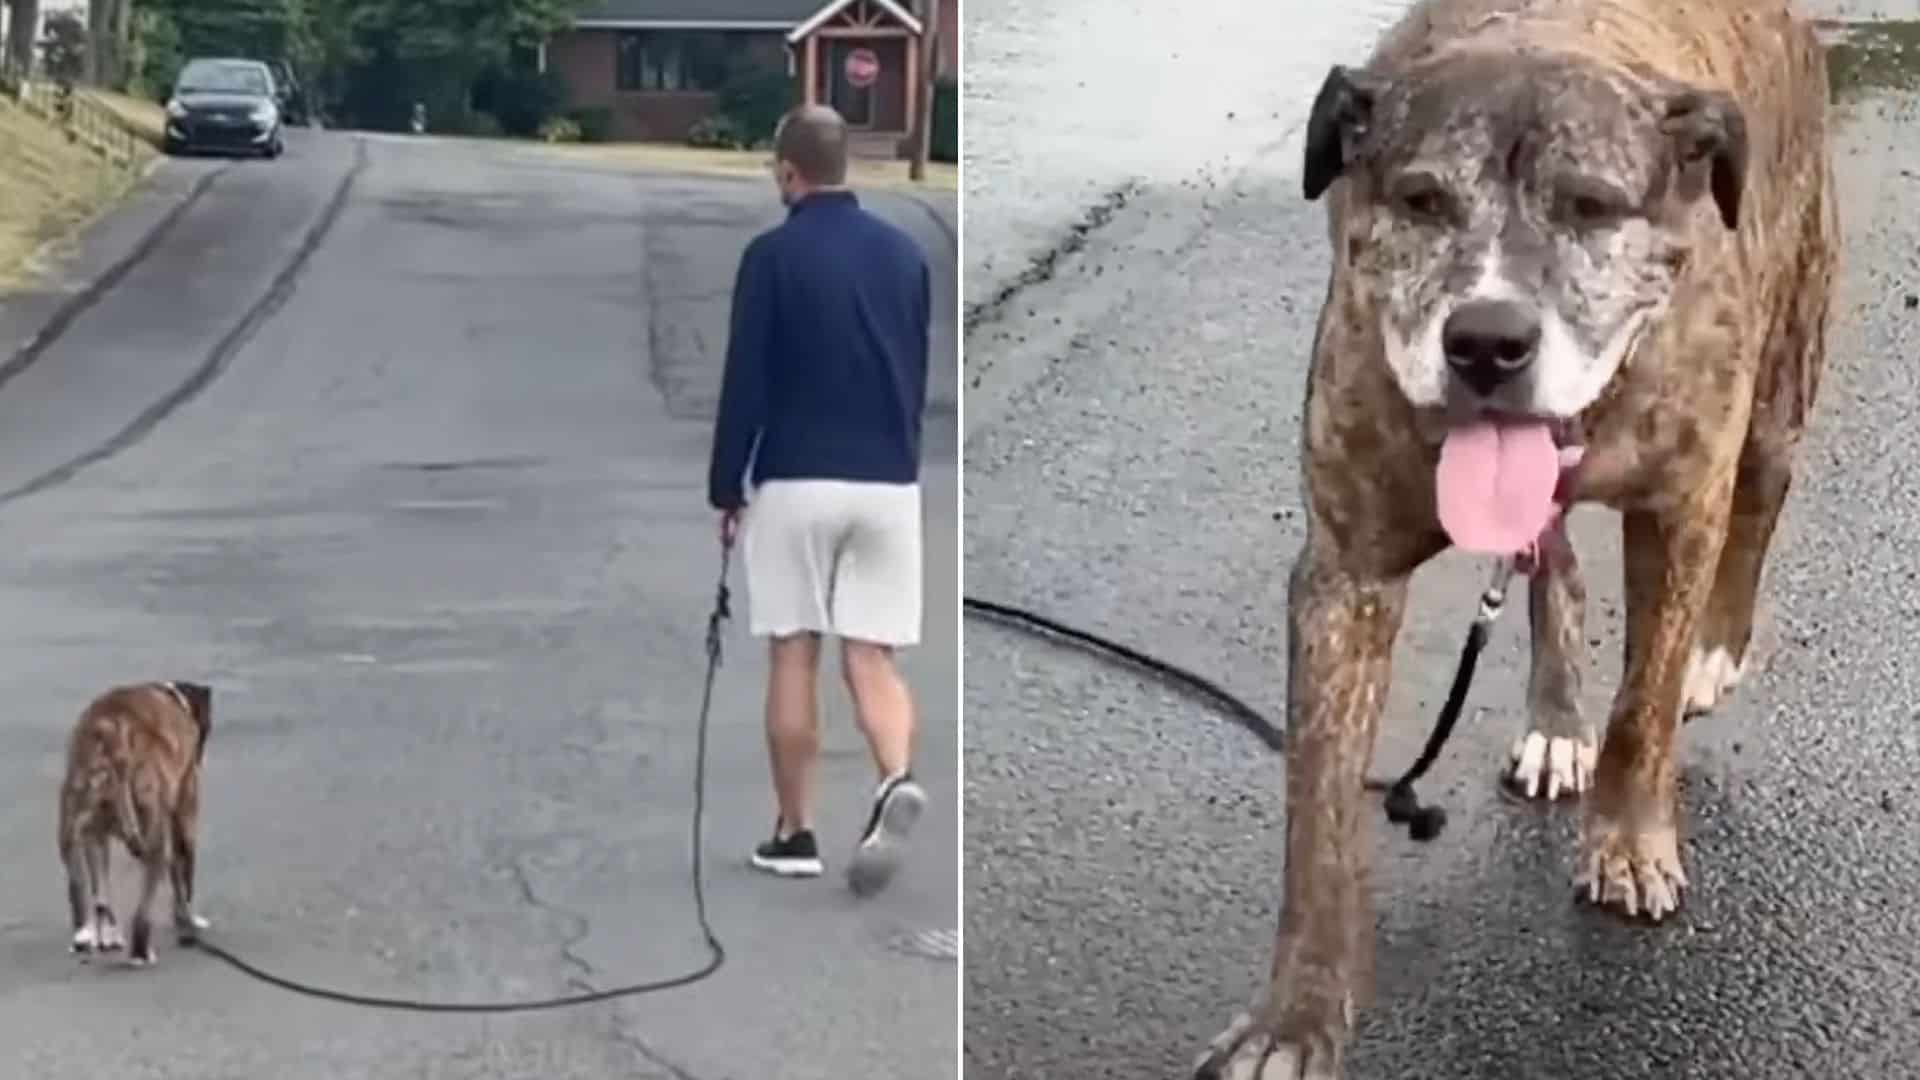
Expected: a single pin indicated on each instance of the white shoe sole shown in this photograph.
(878, 858)
(790, 867)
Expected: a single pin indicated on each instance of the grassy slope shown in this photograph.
(142, 117)
(52, 187)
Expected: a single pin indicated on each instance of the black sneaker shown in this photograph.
(896, 807)
(795, 856)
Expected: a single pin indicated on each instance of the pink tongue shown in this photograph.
(1495, 485)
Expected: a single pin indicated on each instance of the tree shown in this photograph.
(110, 32)
(24, 18)
(63, 52)
(375, 57)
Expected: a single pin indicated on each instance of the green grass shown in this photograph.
(1868, 57)
(53, 185)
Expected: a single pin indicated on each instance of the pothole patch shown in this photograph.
(934, 944)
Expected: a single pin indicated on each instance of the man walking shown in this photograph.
(824, 388)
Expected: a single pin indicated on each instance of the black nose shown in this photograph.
(1488, 342)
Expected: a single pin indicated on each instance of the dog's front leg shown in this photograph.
(1556, 750)
(1630, 851)
(1341, 627)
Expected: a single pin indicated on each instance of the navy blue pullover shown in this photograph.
(826, 372)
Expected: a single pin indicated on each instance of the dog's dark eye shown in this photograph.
(1592, 205)
(1423, 200)
(1424, 203)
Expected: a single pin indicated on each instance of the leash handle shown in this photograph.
(722, 606)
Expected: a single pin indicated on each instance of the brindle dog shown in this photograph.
(133, 773)
(1594, 233)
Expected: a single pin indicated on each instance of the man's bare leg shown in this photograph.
(793, 725)
(793, 748)
(882, 703)
(885, 709)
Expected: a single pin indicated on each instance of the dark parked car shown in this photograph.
(292, 96)
(224, 104)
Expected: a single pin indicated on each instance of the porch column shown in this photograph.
(913, 82)
(812, 93)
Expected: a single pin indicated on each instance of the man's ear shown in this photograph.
(1342, 110)
(1709, 125)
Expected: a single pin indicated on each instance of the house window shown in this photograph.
(692, 60)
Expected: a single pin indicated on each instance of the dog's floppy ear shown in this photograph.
(1341, 112)
(1710, 125)
(200, 703)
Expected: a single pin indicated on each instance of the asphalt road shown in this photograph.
(1132, 427)
(433, 526)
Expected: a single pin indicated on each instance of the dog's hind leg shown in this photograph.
(187, 923)
(1784, 392)
(80, 886)
(153, 867)
(99, 856)
(1555, 753)
(1721, 650)
(1630, 844)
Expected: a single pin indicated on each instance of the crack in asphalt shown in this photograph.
(78, 304)
(1042, 267)
(220, 357)
(583, 927)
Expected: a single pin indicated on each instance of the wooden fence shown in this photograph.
(84, 119)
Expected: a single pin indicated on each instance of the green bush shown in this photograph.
(521, 100)
(751, 102)
(157, 43)
(483, 125)
(63, 52)
(594, 122)
(944, 142)
(717, 132)
(559, 129)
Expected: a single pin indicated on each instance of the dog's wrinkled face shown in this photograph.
(1523, 217)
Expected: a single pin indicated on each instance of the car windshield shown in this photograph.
(222, 79)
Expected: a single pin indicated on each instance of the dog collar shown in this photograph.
(174, 690)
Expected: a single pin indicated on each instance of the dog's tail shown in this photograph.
(128, 808)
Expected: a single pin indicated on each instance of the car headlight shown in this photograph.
(264, 113)
(175, 110)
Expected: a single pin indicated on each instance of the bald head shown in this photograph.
(813, 139)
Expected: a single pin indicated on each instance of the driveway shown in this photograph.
(1132, 428)
(401, 445)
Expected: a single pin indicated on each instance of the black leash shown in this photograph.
(1402, 804)
(717, 955)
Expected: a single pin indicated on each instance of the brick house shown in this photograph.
(657, 65)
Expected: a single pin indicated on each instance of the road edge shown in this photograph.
(118, 267)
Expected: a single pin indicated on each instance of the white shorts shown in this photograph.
(834, 557)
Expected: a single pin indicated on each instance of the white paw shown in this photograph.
(1541, 764)
(199, 922)
(1711, 676)
(139, 961)
(1239, 1053)
(86, 939)
(111, 938)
